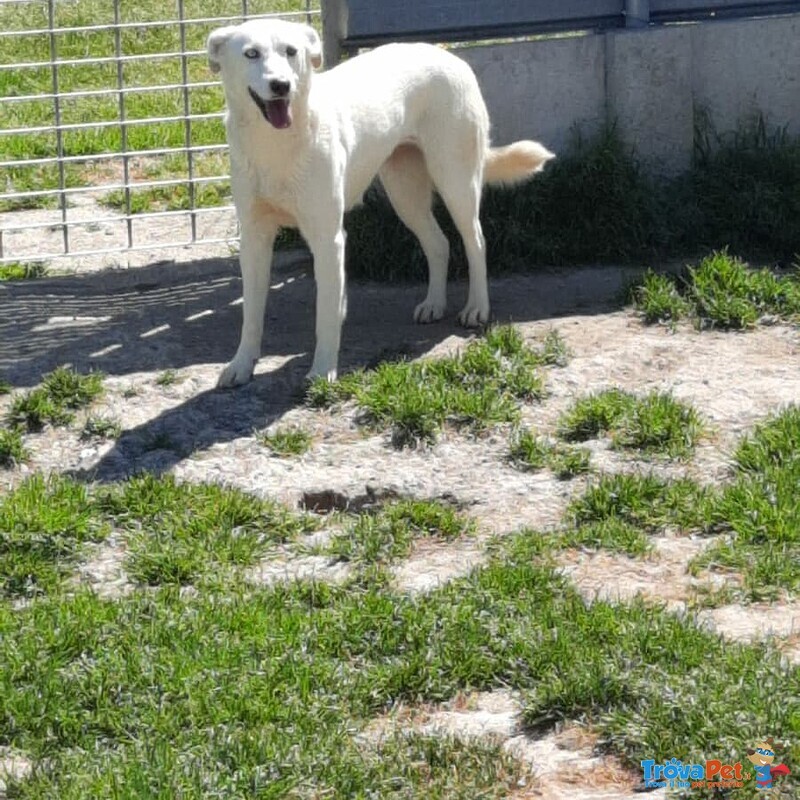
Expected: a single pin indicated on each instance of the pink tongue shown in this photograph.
(278, 113)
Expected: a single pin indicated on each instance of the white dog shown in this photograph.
(304, 148)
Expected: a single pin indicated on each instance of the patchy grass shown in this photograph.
(178, 533)
(169, 377)
(5, 387)
(286, 442)
(646, 502)
(480, 386)
(612, 534)
(35, 409)
(176, 196)
(12, 450)
(727, 294)
(61, 392)
(22, 270)
(655, 423)
(323, 394)
(103, 694)
(99, 427)
(389, 534)
(43, 525)
(760, 508)
(657, 298)
(595, 414)
(529, 452)
(721, 292)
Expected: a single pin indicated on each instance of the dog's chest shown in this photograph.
(266, 178)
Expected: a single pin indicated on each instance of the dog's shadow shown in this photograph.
(166, 317)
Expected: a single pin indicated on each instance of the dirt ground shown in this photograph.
(135, 324)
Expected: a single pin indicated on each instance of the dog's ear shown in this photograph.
(314, 46)
(216, 41)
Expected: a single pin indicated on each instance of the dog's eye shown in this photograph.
(252, 53)
(291, 51)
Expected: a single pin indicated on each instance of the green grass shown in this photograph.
(480, 386)
(721, 292)
(22, 271)
(742, 192)
(647, 502)
(529, 452)
(99, 427)
(657, 298)
(761, 510)
(726, 294)
(43, 525)
(175, 533)
(757, 512)
(169, 377)
(61, 392)
(266, 690)
(240, 691)
(654, 424)
(657, 423)
(5, 387)
(12, 450)
(286, 441)
(389, 534)
(595, 414)
(619, 513)
(612, 534)
(179, 533)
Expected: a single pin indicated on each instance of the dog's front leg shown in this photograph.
(328, 250)
(255, 260)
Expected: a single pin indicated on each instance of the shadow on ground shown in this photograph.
(166, 316)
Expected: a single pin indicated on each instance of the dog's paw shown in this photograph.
(474, 314)
(239, 371)
(328, 374)
(429, 311)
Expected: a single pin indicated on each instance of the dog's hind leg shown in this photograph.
(410, 190)
(461, 190)
(255, 259)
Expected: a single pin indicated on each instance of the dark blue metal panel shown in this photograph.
(370, 20)
(692, 9)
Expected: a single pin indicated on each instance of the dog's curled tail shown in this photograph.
(515, 162)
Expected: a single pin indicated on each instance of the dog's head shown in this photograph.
(266, 63)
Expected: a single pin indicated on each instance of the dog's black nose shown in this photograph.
(279, 88)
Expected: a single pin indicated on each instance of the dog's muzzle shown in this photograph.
(275, 111)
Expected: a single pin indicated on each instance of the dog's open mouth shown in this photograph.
(276, 112)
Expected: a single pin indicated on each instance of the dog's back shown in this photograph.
(399, 94)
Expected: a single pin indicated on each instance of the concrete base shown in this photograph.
(650, 81)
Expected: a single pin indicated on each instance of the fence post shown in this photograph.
(334, 30)
(637, 13)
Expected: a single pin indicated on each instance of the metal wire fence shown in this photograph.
(111, 134)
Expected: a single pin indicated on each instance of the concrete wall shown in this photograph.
(649, 80)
